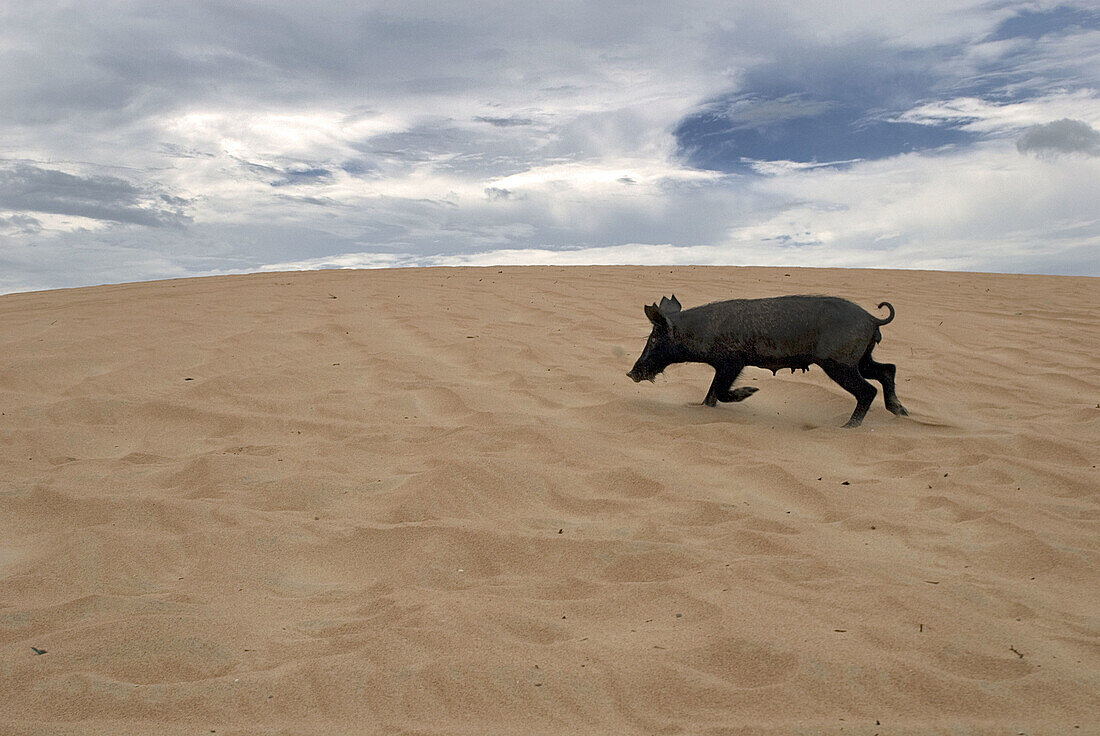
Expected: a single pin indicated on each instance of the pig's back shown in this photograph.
(784, 331)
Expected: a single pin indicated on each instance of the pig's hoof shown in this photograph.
(740, 394)
(710, 401)
(898, 409)
(853, 422)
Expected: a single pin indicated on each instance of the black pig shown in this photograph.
(781, 332)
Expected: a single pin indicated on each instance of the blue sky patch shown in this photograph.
(1035, 24)
(711, 139)
(302, 175)
(819, 104)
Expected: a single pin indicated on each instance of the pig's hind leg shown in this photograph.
(720, 387)
(849, 378)
(883, 373)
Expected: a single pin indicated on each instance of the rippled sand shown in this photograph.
(430, 501)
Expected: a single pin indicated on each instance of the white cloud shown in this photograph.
(605, 176)
(960, 210)
(1007, 118)
(290, 133)
(955, 211)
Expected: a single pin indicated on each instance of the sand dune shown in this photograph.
(429, 501)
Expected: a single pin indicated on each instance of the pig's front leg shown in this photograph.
(724, 376)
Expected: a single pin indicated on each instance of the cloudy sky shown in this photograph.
(152, 139)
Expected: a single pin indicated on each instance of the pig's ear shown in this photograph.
(655, 316)
(669, 306)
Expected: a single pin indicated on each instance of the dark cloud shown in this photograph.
(359, 168)
(65, 61)
(27, 188)
(69, 60)
(497, 193)
(174, 150)
(21, 223)
(326, 202)
(1060, 137)
(297, 175)
(793, 241)
(505, 122)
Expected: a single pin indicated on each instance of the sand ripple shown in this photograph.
(434, 504)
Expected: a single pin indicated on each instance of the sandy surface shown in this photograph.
(430, 501)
